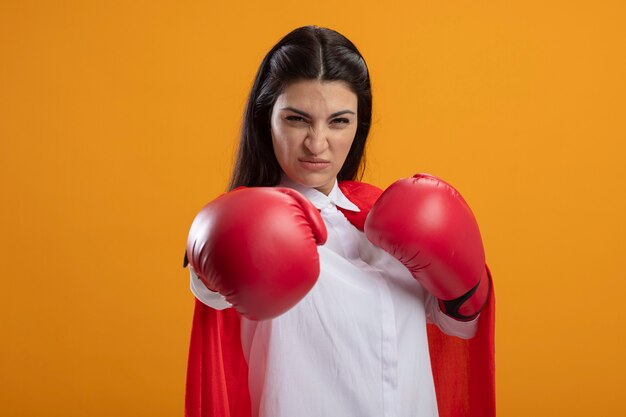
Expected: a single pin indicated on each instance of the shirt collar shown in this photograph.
(319, 199)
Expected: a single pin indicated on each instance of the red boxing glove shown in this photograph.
(258, 248)
(425, 224)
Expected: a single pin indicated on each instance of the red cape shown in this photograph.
(217, 373)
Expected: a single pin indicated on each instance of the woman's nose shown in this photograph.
(316, 141)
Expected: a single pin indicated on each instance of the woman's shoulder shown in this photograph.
(363, 195)
(360, 192)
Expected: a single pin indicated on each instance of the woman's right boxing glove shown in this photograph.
(258, 248)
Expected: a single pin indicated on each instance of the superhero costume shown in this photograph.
(217, 379)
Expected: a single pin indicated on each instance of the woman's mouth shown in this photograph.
(314, 164)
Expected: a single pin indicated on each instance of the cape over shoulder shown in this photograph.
(217, 373)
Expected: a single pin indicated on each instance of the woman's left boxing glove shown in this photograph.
(426, 224)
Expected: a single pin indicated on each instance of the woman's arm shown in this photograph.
(209, 298)
(447, 324)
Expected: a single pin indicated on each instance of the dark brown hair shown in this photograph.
(306, 53)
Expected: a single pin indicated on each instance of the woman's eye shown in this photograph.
(295, 119)
(342, 120)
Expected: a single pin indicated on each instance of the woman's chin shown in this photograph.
(313, 182)
(319, 182)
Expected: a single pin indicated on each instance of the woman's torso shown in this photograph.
(356, 345)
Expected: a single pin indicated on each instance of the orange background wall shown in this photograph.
(118, 121)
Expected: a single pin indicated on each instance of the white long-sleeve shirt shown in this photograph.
(356, 344)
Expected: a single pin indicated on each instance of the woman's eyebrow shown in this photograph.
(305, 114)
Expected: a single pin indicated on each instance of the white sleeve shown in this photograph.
(448, 325)
(206, 296)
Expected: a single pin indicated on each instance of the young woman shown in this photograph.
(313, 291)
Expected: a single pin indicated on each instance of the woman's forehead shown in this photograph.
(318, 96)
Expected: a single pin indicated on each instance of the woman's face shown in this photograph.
(313, 125)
